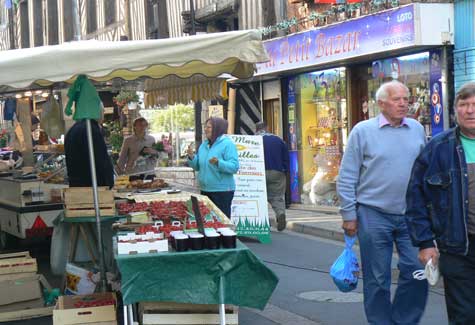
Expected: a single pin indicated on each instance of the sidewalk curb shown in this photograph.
(315, 231)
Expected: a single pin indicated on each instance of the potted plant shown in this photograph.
(125, 97)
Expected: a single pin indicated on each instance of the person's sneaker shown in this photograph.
(281, 223)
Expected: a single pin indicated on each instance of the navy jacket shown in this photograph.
(276, 154)
(437, 196)
(77, 156)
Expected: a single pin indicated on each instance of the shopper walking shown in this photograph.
(372, 188)
(216, 162)
(441, 207)
(276, 159)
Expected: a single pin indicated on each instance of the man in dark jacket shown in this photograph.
(276, 158)
(441, 207)
(77, 156)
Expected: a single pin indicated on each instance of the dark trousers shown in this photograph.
(459, 282)
(222, 200)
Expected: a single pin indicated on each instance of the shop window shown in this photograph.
(38, 22)
(110, 11)
(320, 130)
(91, 16)
(412, 70)
(24, 25)
(52, 10)
(68, 28)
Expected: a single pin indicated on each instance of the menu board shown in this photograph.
(249, 207)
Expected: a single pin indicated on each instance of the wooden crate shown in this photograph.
(27, 309)
(17, 263)
(184, 196)
(79, 202)
(166, 313)
(67, 313)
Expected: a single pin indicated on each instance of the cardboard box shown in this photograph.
(19, 290)
(68, 310)
(17, 263)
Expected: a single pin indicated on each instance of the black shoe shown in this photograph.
(281, 223)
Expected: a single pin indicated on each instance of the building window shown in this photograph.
(38, 22)
(3, 17)
(91, 16)
(110, 11)
(24, 25)
(52, 22)
(156, 19)
(68, 20)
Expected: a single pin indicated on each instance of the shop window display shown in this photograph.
(412, 70)
(321, 131)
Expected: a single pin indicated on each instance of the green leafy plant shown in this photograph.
(124, 97)
(115, 136)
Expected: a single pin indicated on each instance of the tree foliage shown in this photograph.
(181, 117)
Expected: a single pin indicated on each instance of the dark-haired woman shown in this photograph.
(217, 162)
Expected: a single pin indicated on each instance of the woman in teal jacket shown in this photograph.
(217, 162)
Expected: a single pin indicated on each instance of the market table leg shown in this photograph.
(73, 239)
(87, 243)
(130, 314)
(125, 315)
(222, 309)
(73, 243)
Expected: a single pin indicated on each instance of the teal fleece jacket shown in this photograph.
(216, 178)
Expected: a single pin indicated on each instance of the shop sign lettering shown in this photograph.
(367, 35)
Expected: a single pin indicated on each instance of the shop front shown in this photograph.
(330, 76)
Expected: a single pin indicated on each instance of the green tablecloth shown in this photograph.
(193, 277)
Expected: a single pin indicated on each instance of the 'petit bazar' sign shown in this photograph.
(371, 34)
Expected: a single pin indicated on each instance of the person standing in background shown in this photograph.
(137, 154)
(276, 159)
(77, 156)
(216, 162)
(372, 185)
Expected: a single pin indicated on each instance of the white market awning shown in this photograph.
(210, 55)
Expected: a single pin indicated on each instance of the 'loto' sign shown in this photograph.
(381, 32)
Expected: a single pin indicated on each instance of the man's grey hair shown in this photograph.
(466, 91)
(261, 126)
(383, 91)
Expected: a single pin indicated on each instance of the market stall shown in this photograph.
(210, 55)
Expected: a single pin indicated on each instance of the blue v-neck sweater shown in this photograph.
(377, 165)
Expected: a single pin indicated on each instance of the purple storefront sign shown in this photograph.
(436, 99)
(377, 33)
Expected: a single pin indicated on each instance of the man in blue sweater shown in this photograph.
(371, 185)
(276, 158)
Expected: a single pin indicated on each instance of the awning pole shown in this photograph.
(92, 164)
(231, 110)
(90, 146)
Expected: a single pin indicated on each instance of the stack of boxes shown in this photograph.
(19, 283)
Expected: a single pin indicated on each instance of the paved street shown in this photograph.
(305, 294)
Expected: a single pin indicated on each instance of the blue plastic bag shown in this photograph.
(345, 270)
